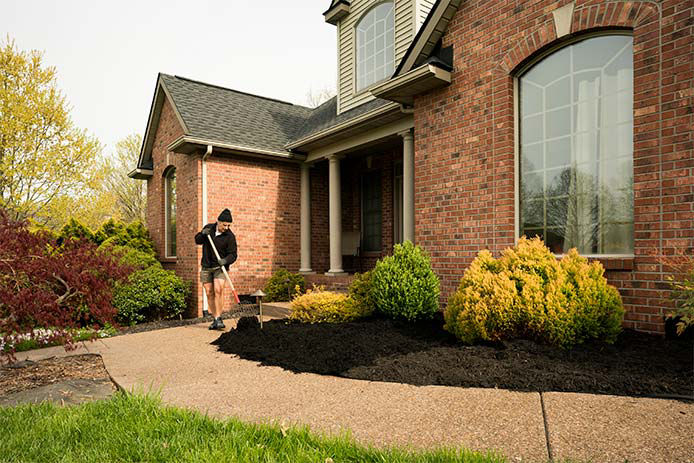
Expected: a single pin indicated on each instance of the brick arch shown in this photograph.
(586, 17)
(165, 172)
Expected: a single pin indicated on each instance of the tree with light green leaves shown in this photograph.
(46, 163)
(130, 194)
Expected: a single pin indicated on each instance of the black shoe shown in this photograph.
(215, 325)
(220, 324)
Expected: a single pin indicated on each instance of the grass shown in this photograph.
(139, 428)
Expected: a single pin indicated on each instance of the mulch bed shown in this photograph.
(28, 374)
(421, 354)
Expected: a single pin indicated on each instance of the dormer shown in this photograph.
(372, 37)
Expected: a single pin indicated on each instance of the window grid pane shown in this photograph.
(375, 40)
(171, 213)
(576, 150)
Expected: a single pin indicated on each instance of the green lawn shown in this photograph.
(139, 428)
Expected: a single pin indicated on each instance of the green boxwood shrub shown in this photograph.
(150, 294)
(404, 285)
(529, 293)
(282, 286)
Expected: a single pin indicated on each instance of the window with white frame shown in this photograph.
(171, 213)
(375, 45)
(576, 148)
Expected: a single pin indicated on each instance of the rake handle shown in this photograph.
(224, 270)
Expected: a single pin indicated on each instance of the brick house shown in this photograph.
(459, 125)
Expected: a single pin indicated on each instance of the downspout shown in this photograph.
(204, 184)
(208, 153)
(406, 109)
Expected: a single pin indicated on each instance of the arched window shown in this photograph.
(375, 51)
(170, 208)
(576, 149)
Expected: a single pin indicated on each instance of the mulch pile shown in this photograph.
(421, 354)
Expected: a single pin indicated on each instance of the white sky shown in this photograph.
(108, 53)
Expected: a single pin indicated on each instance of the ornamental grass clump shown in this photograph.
(528, 293)
(403, 286)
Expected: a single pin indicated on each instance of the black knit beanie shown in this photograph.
(225, 216)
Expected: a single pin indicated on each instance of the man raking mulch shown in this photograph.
(219, 251)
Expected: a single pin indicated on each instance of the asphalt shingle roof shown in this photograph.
(229, 116)
(325, 116)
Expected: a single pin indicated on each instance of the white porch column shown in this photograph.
(335, 216)
(407, 186)
(305, 219)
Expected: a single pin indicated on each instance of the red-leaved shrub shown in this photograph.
(45, 286)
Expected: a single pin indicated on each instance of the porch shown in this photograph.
(355, 205)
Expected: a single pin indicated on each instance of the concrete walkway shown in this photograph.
(524, 426)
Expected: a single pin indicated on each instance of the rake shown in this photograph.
(224, 270)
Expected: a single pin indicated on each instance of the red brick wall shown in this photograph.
(188, 199)
(464, 139)
(262, 195)
(264, 199)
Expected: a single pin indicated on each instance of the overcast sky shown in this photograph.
(108, 53)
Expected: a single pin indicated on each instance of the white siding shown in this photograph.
(404, 33)
(423, 9)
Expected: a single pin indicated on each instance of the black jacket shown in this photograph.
(225, 244)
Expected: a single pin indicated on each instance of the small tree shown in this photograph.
(131, 195)
(43, 286)
(43, 156)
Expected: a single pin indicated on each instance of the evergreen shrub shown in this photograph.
(404, 286)
(150, 294)
(529, 293)
(319, 306)
(283, 286)
(360, 293)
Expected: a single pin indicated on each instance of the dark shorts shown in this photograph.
(208, 274)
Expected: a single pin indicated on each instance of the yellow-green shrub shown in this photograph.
(360, 293)
(482, 308)
(318, 306)
(527, 292)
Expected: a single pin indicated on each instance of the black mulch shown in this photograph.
(637, 364)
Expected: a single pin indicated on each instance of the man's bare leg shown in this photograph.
(219, 285)
(209, 291)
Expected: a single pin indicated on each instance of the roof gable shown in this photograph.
(223, 116)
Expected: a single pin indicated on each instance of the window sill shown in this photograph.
(615, 263)
(168, 260)
(625, 262)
